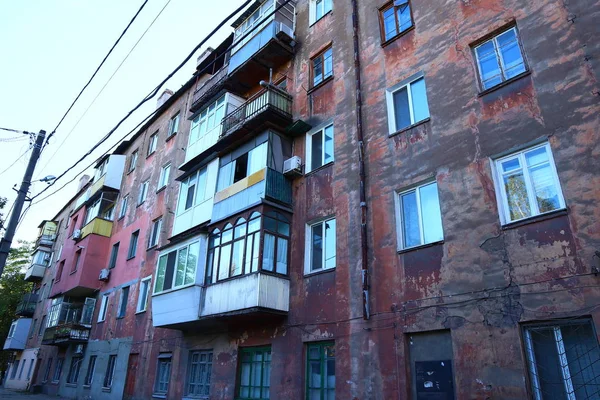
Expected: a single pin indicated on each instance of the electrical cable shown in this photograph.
(101, 64)
(14, 130)
(104, 87)
(15, 162)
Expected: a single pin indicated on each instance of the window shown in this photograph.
(199, 374)
(133, 244)
(101, 169)
(500, 58)
(528, 184)
(173, 125)
(407, 104)
(41, 257)
(155, 233)
(318, 9)
(133, 160)
(103, 308)
(15, 367)
(563, 360)
(322, 246)
(73, 226)
(143, 192)
(103, 207)
(22, 368)
(123, 302)
(114, 253)
(59, 271)
(419, 216)
(73, 375)
(32, 329)
(123, 209)
(163, 373)
(251, 24)
(42, 326)
(319, 148)
(110, 371)
(236, 249)
(76, 262)
(209, 119)
(58, 369)
(243, 166)
(152, 143)
(47, 370)
(321, 66)
(177, 268)
(395, 18)
(30, 369)
(12, 329)
(192, 191)
(320, 371)
(142, 303)
(89, 375)
(255, 373)
(164, 176)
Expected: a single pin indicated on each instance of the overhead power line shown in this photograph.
(101, 64)
(104, 87)
(15, 131)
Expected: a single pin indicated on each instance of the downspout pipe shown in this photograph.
(361, 164)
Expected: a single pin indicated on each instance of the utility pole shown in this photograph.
(21, 197)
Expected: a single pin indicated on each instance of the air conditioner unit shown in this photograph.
(292, 167)
(79, 349)
(104, 274)
(77, 234)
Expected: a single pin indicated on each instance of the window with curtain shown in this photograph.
(320, 371)
(254, 377)
(177, 268)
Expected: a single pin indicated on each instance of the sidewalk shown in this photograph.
(6, 394)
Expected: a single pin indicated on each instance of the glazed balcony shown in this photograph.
(47, 234)
(108, 174)
(68, 323)
(17, 334)
(26, 306)
(97, 226)
(40, 261)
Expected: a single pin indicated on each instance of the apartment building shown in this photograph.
(348, 200)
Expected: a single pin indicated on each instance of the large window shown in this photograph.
(243, 166)
(249, 24)
(209, 119)
(103, 207)
(395, 18)
(528, 184)
(236, 250)
(73, 375)
(318, 9)
(177, 268)
(193, 191)
(199, 374)
(500, 58)
(142, 303)
(254, 373)
(41, 257)
(89, 376)
(110, 371)
(407, 104)
(321, 66)
(321, 246)
(163, 373)
(564, 360)
(320, 371)
(319, 148)
(419, 216)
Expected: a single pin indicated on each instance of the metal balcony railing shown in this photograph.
(65, 333)
(273, 99)
(27, 305)
(208, 88)
(278, 187)
(68, 313)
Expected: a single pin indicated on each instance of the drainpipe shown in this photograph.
(361, 164)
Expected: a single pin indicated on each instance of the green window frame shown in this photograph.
(320, 371)
(254, 374)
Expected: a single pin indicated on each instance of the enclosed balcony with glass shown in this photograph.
(47, 234)
(108, 173)
(69, 321)
(99, 214)
(39, 262)
(26, 307)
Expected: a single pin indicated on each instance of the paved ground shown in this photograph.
(6, 394)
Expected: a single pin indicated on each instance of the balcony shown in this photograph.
(45, 241)
(35, 272)
(209, 89)
(47, 234)
(65, 335)
(68, 323)
(26, 307)
(17, 335)
(97, 226)
(109, 173)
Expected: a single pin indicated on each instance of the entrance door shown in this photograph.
(132, 368)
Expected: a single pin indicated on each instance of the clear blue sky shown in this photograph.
(48, 51)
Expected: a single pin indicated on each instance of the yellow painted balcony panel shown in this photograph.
(99, 184)
(97, 226)
(240, 185)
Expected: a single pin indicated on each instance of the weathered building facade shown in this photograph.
(350, 200)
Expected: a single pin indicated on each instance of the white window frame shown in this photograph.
(123, 210)
(103, 308)
(389, 98)
(152, 143)
(12, 329)
(200, 119)
(174, 125)
(309, 248)
(143, 192)
(142, 306)
(165, 172)
(308, 155)
(501, 197)
(153, 238)
(133, 160)
(400, 221)
(313, 10)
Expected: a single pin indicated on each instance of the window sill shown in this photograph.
(159, 396)
(106, 390)
(73, 272)
(150, 155)
(130, 171)
(129, 258)
(161, 189)
(87, 386)
(408, 128)
(173, 289)
(398, 36)
(419, 247)
(140, 312)
(120, 218)
(323, 271)
(324, 166)
(536, 218)
(139, 204)
(153, 247)
(71, 385)
(320, 19)
(505, 83)
(99, 322)
(171, 136)
(320, 84)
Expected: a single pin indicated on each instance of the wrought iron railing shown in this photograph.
(208, 86)
(64, 333)
(271, 99)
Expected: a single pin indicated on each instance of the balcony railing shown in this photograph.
(209, 88)
(45, 240)
(273, 99)
(68, 313)
(66, 334)
(26, 307)
(278, 187)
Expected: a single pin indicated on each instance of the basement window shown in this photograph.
(163, 374)
(394, 18)
(320, 371)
